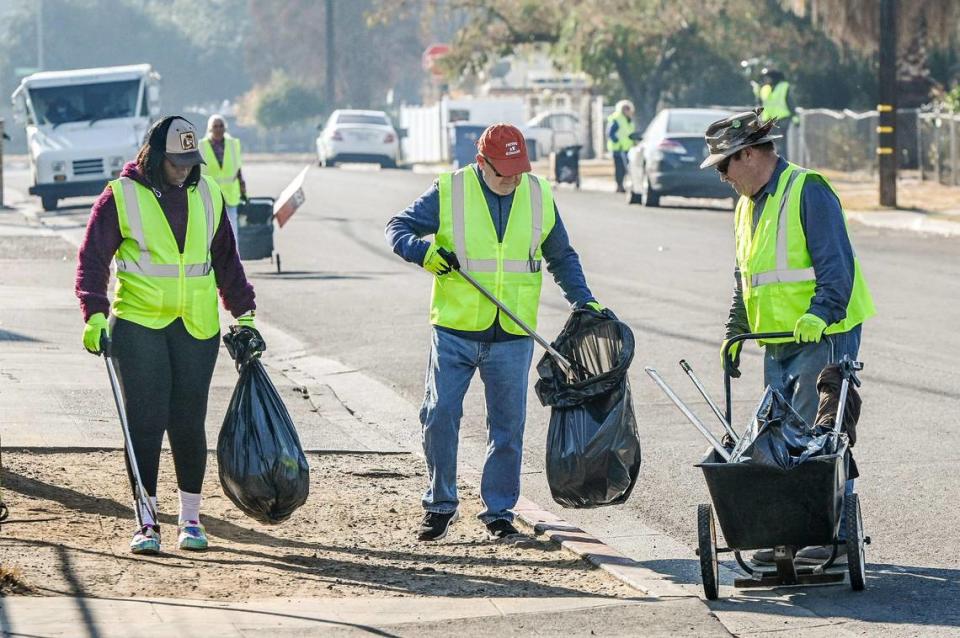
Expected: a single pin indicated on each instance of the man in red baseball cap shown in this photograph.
(497, 221)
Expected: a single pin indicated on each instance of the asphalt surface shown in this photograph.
(668, 273)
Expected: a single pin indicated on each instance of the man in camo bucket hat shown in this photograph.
(796, 271)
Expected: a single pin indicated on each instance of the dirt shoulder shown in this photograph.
(70, 525)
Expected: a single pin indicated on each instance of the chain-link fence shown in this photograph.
(846, 140)
(939, 140)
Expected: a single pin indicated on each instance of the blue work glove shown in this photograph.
(731, 363)
(94, 331)
(809, 329)
(439, 261)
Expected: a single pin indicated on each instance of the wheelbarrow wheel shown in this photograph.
(856, 560)
(707, 535)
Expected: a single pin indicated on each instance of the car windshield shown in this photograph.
(362, 118)
(692, 122)
(85, 102)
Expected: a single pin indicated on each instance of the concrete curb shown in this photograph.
(596, 552)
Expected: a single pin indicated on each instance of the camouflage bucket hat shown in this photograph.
(727, 136)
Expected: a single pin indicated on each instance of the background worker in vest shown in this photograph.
(619, 127)
(165, 327)
(222, 162)
(774, 96)
(498, 222)
(815, 290)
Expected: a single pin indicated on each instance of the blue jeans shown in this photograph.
(793, 369)
(504, 367)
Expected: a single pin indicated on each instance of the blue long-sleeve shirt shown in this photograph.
(827, 242)
(405, 232)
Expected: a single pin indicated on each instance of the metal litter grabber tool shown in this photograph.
(563, 362)
(687, 412)
(713, 406)
(139, 493)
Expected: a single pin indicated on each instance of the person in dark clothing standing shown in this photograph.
(165, 227)
(498, 222)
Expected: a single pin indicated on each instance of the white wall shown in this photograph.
(427, 138)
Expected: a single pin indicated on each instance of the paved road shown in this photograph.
(668, 273)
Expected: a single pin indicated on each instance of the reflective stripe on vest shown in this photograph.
(458, 201)
(145, 265)
(783, 273)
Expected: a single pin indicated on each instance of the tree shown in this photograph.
(372, 58)
(284, 102)
(922, 24)
(656, 52)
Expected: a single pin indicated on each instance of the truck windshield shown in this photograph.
(85, 102)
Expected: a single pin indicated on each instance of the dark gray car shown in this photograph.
(666, 160)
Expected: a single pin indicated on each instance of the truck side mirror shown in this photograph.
(19, 109)
(402, 133)
(153, 100)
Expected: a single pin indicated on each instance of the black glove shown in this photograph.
(450, 258)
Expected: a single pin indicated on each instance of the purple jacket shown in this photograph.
(102, 240)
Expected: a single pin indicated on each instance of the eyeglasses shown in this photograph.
(492, 167)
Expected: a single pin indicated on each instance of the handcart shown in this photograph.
(255, 230)
(759, 507)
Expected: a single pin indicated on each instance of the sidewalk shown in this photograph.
(345, 564)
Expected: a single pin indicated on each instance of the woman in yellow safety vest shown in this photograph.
(163, 224)
(222, 162)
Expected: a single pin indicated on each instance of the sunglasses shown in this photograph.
(492, 167)
(724, 166)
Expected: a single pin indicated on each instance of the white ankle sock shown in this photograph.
(189, 506)
(144, 513)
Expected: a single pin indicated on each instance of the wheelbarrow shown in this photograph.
(760, 507)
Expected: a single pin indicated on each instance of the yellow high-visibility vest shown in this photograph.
(776, 269)
(227, 174)
(156, 283)
(510, 269)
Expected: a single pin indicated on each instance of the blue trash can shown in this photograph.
(463, 142)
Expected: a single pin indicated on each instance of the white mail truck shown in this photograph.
(83, 125)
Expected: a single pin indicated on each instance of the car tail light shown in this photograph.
(672, 146)
(388, 138)
(336, 136)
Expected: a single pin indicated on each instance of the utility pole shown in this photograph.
(887, 108)
(40, 35)
(331, 66)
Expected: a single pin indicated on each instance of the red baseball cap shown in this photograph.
(504, 146)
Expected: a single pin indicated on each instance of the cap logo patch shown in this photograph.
(187, 141)
(513, 148)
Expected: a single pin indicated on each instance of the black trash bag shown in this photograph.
(593, 449)
(262, 466)
(784, 439)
